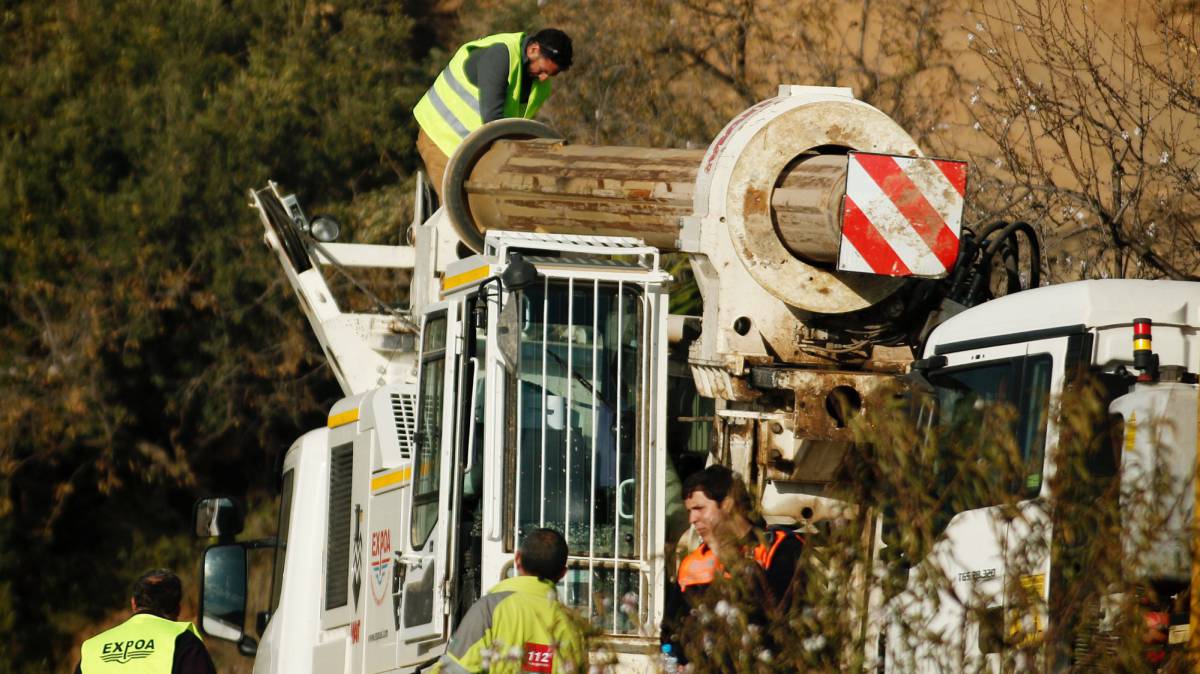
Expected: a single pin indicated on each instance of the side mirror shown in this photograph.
(897, 566)
(325, 228)
(223, 593)
(519, 273)
(219, 516)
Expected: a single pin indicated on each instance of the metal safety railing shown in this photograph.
(581, 438)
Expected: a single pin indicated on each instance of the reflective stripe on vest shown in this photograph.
(700, 566)
(449, 110)
(144, 644)
(519, 625)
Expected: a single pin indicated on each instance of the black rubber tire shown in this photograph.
(454, 195)
(286, 230)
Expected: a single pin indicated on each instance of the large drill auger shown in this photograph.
(790, 340)
(759, 212)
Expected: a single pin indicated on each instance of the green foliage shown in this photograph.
(1085, 540)
(148, 351)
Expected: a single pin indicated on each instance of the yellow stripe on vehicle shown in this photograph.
(1026, 616)
(343, 418)
(389, 479)
(452, 282)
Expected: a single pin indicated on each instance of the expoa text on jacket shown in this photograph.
(144, 644)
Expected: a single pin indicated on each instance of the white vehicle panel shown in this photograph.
(1107, 306)
(937, 631)
(1162, 440)
(287, 644)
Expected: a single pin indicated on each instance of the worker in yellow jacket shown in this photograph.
(519, 625)
(503, 75)
(151, 641)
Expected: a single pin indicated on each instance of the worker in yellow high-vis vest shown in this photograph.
(519, 625)
(502, 75)
(151, 641)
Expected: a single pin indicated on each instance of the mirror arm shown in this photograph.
(261, 543)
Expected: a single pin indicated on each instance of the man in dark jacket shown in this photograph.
(150, 641)
(502, 75)
(742, 574)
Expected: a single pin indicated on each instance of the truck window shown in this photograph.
(579, 384)
(429, 431)
(1022, 383)
(285, 519)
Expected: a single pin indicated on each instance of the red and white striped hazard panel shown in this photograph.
(901, 215)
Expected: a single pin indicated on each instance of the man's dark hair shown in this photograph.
(719, 483)
(158, 591)
(544, 554)
(556, 45)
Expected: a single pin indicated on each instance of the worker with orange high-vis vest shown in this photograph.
(499, 76)
(718, 508)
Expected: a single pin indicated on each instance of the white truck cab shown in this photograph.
(1026, 350)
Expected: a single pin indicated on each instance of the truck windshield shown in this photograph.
(1022, 385)
(578, 464)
